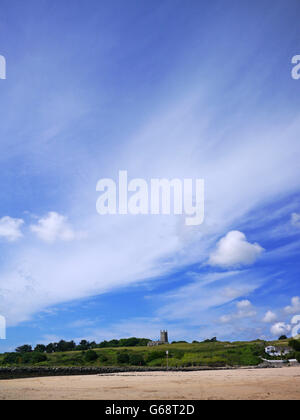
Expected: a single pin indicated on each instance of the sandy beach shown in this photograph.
(258, 384)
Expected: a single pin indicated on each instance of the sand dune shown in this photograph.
(258, 384)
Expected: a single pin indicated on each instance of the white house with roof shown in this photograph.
(277, 351)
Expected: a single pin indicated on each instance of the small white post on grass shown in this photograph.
(167, 353)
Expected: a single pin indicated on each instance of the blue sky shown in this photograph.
(185, 89)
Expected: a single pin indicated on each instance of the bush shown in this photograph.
(178, 354)
(123, 358)
(25, 358)
(11, 359)
(295, 344)
(90, 356)
(38, 357)
(136, 359)
(32, 358)
(102, 358)
(152, 355)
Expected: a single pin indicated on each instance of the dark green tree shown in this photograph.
(295, 344)
(90, 356)
(123, 358)
(136, 359)
(40, 348)
(83, 345)
(50, 348)
(24, 349)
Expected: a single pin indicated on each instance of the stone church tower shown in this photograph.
(164, 336)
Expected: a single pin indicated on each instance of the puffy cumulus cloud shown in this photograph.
(295, 219)
(269, 317)
(280, 328)
(53, 227)
(243, 304)
(294, 307)
(245, 310)
(10, 229)
(234, 250)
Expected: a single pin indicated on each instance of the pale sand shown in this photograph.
(258, 384)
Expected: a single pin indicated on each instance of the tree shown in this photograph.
(123, 357)
(212, 340)
(295, 344)
(102, 358)
(113, 343)
(65, 346)
(40, 348)
(136, 359)
(90, 356)
(156, 354)
(282, 337)
(50, 348)
(32, 358)
(298, 356)
(83, 345)
(11, 359)
(24, 349)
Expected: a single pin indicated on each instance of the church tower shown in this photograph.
(164, 336)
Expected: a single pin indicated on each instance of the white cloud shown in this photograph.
(10, 228)
(53, 227)
(269, 317)
(245, 310)
(234, 250)
(295, 219)
(294, 307)
(243, 304)
(280, 328)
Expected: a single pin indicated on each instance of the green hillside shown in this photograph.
(216, 354)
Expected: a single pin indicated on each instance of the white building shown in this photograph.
(277, 351)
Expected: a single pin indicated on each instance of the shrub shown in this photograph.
(102, 357)
(122, 357)
(38, 357)
(25, 358)
(157, 354)
(297, 356)
(136, 359)
(11, 358)
(178, 354)
(295, 344)
(32, 358)
(90, 356)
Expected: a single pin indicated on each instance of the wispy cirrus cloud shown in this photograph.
(172, 129)
(295, 219)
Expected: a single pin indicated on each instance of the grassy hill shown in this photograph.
(180, 355)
